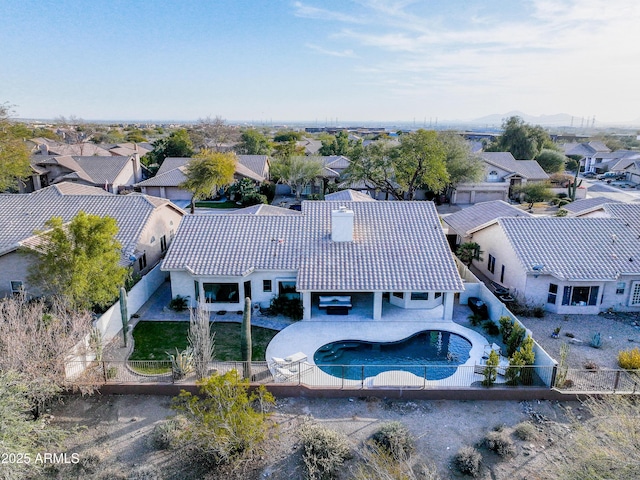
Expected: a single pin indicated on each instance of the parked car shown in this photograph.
(611, 176)
(477, 306)
(589, 174)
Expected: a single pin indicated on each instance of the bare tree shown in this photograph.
(37, 339)
(217, 131)
(201, 341)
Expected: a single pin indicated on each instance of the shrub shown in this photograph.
(515, 339)
(554, 201)
(591, 366)
(377, 464)
(525, 431)
(253, 198)
(222, 425)
(324, 450)
(491, 370)
(562, 213)
(562, 195)
(181, 363)
(499, 442)
(491, 328)
(289, 307)
(395, 438)
(269, 190)
(629, 359)
(506, 326)
(468, 461)
(562, 203)
(165, 435)
(475, 319)
(538, 311)
(179, 303)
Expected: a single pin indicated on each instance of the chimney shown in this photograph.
(342, 225)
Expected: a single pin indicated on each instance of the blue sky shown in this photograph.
(369, 60)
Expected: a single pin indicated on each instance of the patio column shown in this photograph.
(447, 302)
(306, 305)
(377, 305)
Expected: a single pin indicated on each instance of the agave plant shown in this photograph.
(181, 363)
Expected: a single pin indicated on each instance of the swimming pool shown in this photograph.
(439, 351)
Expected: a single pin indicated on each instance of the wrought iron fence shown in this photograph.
(303, 373)
(598, 381)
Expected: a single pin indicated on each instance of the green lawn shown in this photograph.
(154, 339)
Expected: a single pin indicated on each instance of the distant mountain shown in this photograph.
(557, 120)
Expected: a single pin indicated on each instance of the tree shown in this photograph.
(21, 434)
(297, 171)
(79, 261)
(207, 172)
(14, 155)
(215, 131)
(468, 252)
(551, 161)
(37, 338)
(201, 341)
(535, 192)
(287, 149)
(252, 142)
(524, 141)
(376, 168)
(421, 163)
(177, 144)
(135, 136)
(287, 136)
(463, 166)
(335, 145)
(224, 426)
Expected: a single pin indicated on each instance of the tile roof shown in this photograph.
(584, 149)
(574, 248)
(629, 213)
(255, 163)
(482, 214)
(23, 214)
(397, 246)
(264, 209)
(94, 169)
(349, 195)
(586, 205)
(170, 178)
(529, 169)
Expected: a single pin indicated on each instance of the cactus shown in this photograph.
(245, 338)
(596, 341)
(124, 313)
(181, 363)
(573, 186)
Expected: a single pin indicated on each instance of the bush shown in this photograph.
(268, 189)
(538, 311)
(475, 319)
(289, 307)
(325, 451)
(629, 359)
(165, 435)
(395, 438)
(562, 203)
(562, 195)
(253, 199)
(468, 461)
(178, 303)
(499, 442)
(515, 339)
(222, 425)
(593, 366)
(374, 463)
(491, 370)
(525, 431)
(506, 326)
(491, 328)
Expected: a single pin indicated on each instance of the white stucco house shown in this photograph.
(569, 265)
(503, 173)
(146, 226)
(384, 252)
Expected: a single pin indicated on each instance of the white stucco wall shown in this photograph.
(14, 266)
(163, 221)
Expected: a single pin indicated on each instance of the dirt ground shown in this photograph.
(113, 439)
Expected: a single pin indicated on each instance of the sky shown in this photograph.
(322, 61)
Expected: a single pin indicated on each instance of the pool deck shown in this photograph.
(309, 335)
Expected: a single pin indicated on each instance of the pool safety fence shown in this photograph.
(365, 377)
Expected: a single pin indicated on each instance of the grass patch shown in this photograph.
(227, 204)
(154, 339)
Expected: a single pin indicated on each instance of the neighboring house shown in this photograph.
(384, 252)
(46, 146)
(111, 173)
(632, 170)
(348, 195)
(332, 168)
(464, 223)
(568, 265)
(146, 226)
(127, 149)
(589, 207)
(311, 146)
(592, 154)
(165, 184)
(612, 161)
(503, 174)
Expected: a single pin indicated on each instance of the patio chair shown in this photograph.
(283, 374)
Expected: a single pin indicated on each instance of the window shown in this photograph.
(553, 293)
(398, 294)
(163, 243)
(437, 295)
(502, 274)
(419, 295)
(580, 296)
(16, 286)
(196, 285)
(221, 292)
(620, 288)
(142, 261)
(287, 288)
(492, 264)
(635, 294)
(266, 286)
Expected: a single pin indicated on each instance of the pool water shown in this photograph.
(430, 354)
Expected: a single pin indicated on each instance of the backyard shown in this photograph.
(154, 339)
